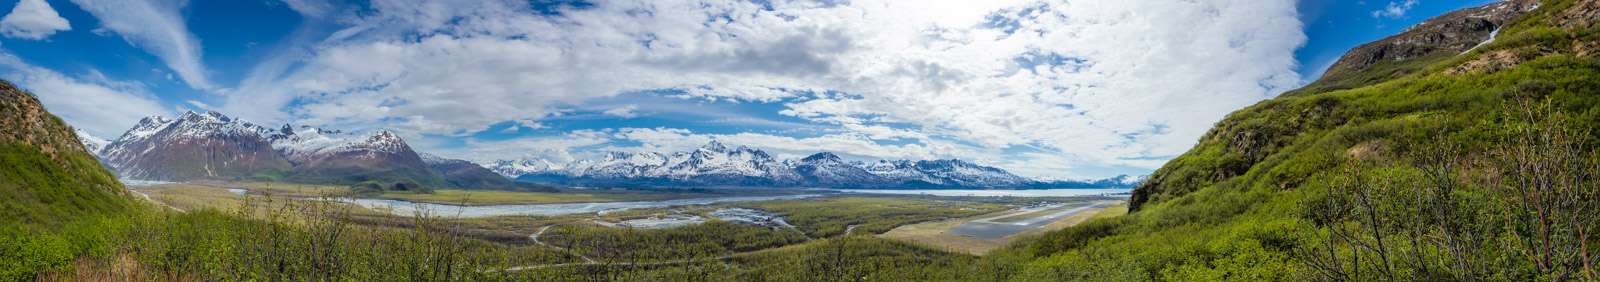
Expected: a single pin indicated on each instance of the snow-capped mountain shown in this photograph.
(321, 155)
(513, 169)
(712, 164)
(193, 146)
(716, 164)
(828, 170)
(214, 146)
(90, 142)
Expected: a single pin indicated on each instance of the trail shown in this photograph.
(535, 238)
(850, 229)
(154, 201)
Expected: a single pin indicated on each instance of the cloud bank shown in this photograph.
(1061, 87)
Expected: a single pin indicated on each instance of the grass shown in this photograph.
(1241, 204)
(829, 217)
(40, 191)
(1038, 213)
(934, 234)
(192, 197)
(280, 188)
(451, 196)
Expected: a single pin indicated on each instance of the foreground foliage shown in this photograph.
(1440, 174)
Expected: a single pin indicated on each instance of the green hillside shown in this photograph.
(1436, 168)
(46, 176)
(50, 185)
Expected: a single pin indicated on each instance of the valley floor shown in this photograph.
(907, 236)
(978, 235)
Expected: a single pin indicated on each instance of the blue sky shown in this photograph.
(1050, 89)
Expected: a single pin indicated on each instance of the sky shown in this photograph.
(1048, 89)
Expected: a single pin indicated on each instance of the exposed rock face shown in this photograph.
(1450, 33)
(26, 121)
(1500, 60)
(1582, 14)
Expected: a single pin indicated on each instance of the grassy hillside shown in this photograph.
(45, 174)
(48, 183)
(1442, 167)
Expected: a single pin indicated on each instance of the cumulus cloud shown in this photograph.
(1395, 10)
(157, 27)
(93, 103)
(1086, 83)
(32, 19)
(623, 111)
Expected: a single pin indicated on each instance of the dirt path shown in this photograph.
(850, 229)
(154, 201)
(535, 238)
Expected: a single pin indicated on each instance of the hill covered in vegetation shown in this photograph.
(1459, 150)
(47, 178)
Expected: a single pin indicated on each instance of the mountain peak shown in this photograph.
(823, 156)
(714, 146)
(154, 120)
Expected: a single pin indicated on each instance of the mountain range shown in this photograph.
(717, 164)
(213, 146)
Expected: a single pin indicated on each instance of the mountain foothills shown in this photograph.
(716, 164)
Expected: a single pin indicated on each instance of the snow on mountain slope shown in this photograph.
(515, 168)
(193, 146)
(827, 169)
(717, 164)
(304, 143)
(90, 142)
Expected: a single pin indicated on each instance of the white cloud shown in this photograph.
(1087, 83)
(1395, 10)
(558, 148)
(33, 19)
(102, 107)
(158, 28)
(623, 111)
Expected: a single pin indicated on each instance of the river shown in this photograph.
(407, 208)
(993, 193)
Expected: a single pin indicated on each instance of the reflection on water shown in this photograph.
(406, 208)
